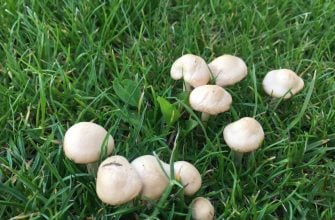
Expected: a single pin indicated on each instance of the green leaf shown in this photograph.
(128, 91)
(190, 125)
(169, 111)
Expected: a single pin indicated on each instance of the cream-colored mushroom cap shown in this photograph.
(244, 135)
(278, 83)
(83, 142)
(202, 209)
(210, 99)
(153, 178)
(189, 177)
(117, 181)
(228, 70)
(192, 68)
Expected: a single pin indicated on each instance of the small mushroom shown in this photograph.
(84, 142)
(193, 69)
(228, 70)
(242, 136)
(202, 209)
(152, 174)
(117, 182)
(282, 83)
(210, 100)
(189, 177)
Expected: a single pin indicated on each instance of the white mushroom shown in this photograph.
(282, 83)
(210, 100)
(117, 181)
(84, 143)
(202, 209)
(189, 177)
(244, 135)
(228, 70)
(192, 68)
(153, 177)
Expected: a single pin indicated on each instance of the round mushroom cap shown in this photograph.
(153, 177)
(244, 135)
(189, 177)
(228, 70)
(210, 99)
(192, 68)
(117, 181)
(282, 83)
(84, 141)
(202, 209)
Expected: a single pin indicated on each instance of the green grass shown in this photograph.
(60, 62)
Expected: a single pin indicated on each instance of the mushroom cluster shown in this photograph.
(244, 135)
(119, 181)
(226, 70)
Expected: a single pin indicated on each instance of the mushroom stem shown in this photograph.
(237, 156)
(188, 87)
(92, 168)
(205, 116)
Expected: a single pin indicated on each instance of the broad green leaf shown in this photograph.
(169, 111)
(128, 91)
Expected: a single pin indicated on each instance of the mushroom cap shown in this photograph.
(202, 209)
(278, 83)
(228, 70)
(244, 135)
(154, 180)
(189, 177)
(192, 68)
(117, 181)
(210, 99)
(83, 142)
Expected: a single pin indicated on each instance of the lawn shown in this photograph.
(62, 62)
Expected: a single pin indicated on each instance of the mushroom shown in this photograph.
(193, 69)
(227, 70)
(282, 83)
(202, 209)
(152, 173)
(242, 136)
(210, 100)
(85, 141)
(188, 175)
(117, 181)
